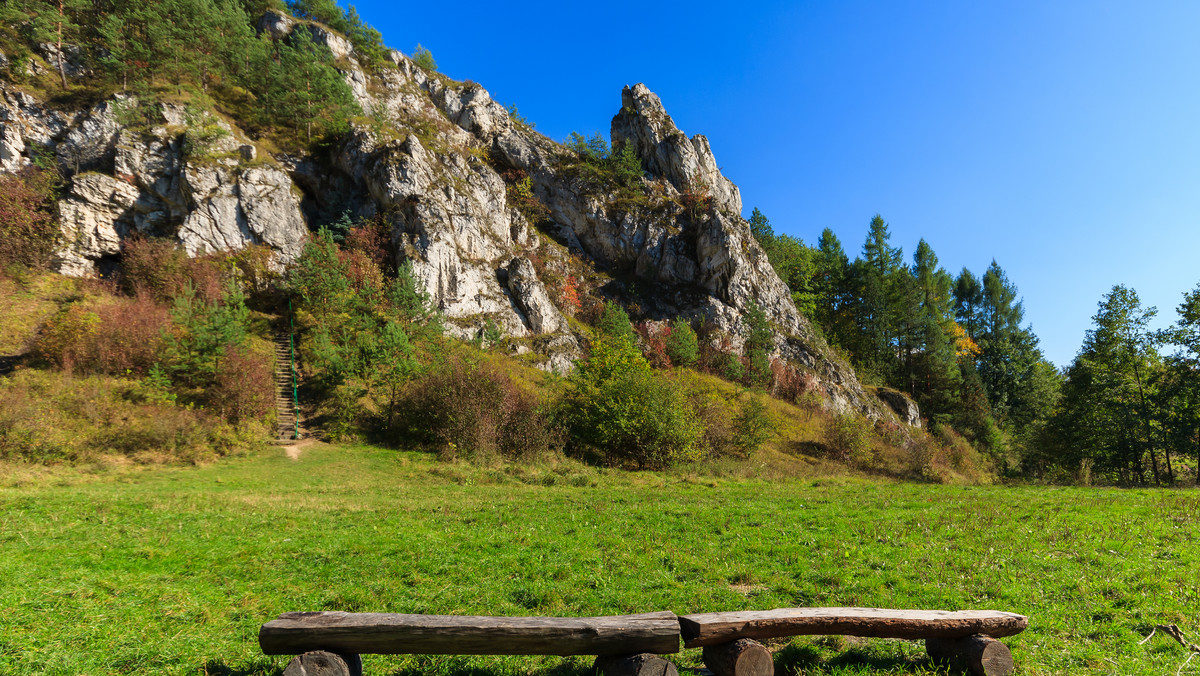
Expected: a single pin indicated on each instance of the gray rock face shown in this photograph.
(154, 188)
(451, 221)
(276, 25)
(905, 408)
(230, 209)
(24, 123)
(665, 151)
(531, 297)
(93, 218)
(90, 144)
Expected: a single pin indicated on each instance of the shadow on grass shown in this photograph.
(256, 667)
(462, 667)
(811, 659)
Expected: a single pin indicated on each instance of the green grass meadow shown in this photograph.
(170, 570)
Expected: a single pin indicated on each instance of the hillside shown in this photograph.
(470, 197)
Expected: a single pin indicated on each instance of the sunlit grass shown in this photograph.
(171, 570)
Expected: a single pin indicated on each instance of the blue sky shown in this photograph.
(1058, 138)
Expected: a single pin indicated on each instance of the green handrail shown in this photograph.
(295, 395)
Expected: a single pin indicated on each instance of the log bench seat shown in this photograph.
(630, 645)
(963, 638)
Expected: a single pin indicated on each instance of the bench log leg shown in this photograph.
(322, 663)
(641, 664)
(980, 655)
(743, 657)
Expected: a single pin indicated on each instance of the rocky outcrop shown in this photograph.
(123, 180)
(230, 208)
(25, 125)
(437, 160)
(451, 222)
(94, 220)
(905, 408)
(90, 143)
(531, 298)
(687, 163)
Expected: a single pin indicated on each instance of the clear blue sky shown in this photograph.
(1059, 138)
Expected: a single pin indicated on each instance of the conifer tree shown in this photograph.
(968, 297)
(935, 373)
(831, 284)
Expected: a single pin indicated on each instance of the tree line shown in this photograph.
(1121, 412)
(954, 343)
(1130, 407)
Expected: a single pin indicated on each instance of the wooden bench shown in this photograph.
(965, 637)
(328, 643)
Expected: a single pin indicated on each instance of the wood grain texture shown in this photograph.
(743, 657)
(321, 663)
(642, 664)
(979, 655)
(714, 628)
(392, 634)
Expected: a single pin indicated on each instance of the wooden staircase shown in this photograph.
(287, 414)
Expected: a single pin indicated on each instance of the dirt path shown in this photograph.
(293, 449)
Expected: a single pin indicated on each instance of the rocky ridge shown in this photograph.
(438, 160)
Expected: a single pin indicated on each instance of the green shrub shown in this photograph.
(682, 346)
(203, 133)
(751, 427)
(620, 410)
(759, 343)
(423, 58)
(474, 411)
(614, 322)
(635, 418)
(848, 439)
(619, 169)
(203, 333)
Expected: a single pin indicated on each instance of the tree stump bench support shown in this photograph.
(965, 638)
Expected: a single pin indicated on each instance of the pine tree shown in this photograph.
(968, 297)
(831, 284)
(759, 341)
(305, 88)
(878, 291)
(936, 376)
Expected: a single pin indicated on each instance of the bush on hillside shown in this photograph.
(29, 232)
(848, 439)
(160, 268)
(423, 58)
(682, 345)
(244, 389)
(474, 411)
(117, 336)
(621, 411)
(751, 427)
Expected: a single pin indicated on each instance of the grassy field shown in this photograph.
(170, 570)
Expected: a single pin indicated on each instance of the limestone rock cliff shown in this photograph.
(124, 179)
(440, 162)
